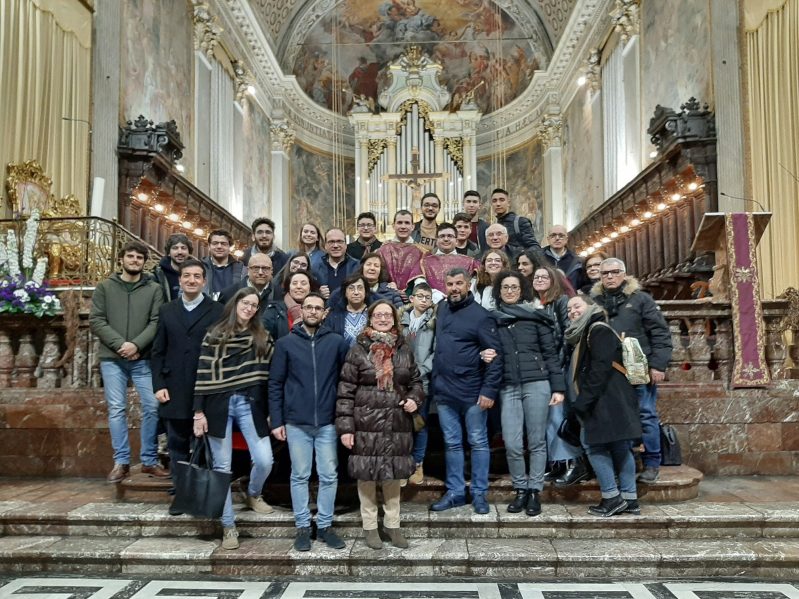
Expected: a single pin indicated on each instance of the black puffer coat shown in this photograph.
(606, 403)
(383, 430)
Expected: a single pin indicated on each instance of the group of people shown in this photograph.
(335, 343)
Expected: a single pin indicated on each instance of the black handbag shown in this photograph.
(200, 490)
(569, 430)
(670, 451)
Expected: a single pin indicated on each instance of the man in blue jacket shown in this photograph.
(466, 379)
(303, 380)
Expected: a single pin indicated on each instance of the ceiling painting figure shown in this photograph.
(480, 46)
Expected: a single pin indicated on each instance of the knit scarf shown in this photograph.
(231, 367)
(381, 353)
(293, 309)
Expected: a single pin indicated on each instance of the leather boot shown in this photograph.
(520, 502)
(577, 471)
(555, 471)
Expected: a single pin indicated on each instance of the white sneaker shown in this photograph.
(257, 504)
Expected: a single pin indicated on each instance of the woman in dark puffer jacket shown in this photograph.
(378, 391)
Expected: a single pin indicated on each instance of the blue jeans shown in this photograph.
(116, 374)
(650, 424)
(610, 459)
(303, 441)
(260, 452)
(450, 416)
(526, 406)
(420, 438)
(557, 449)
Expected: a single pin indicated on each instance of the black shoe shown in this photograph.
(577, 471)
(533, 504)
(633, 508)
(556, 471)
(303, 540)
(608, 507)
(649, 475)
(518, 504)
(173, 511)
(330, 538)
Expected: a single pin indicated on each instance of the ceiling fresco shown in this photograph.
(482, 48)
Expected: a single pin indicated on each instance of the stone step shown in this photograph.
(527, 559)
(695, 520)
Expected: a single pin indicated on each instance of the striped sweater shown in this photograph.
(231, 367)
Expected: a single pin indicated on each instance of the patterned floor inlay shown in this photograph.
(134, 588)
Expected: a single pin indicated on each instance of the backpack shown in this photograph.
(636, 366)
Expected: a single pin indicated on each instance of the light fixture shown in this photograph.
(653, 154)
(624, 229)
(661, 207)
(675, 197)
(142, 197)
(605, 240)
(647, 214)
(634, 222)
(199, 232)
(693, 186)
(251, 90)
(188, 225)
(584, 254)
(614, 235)
(581, 80)
(159, 208)
(180, 168)
(238, 253)
(173, 217)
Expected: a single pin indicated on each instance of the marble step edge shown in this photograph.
(690, 521)
(506, 558)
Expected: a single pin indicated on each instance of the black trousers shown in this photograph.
(179, 432)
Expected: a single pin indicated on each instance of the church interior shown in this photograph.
(663, 132)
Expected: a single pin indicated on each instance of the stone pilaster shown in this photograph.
(282, 135)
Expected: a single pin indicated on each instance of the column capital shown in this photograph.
(549, 131)
(206, 30)
(593, 69)
(282, 136)
(625, 17)
(242, 79)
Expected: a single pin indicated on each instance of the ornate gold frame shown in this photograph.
(24, 180)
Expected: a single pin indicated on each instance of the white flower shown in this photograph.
(38, 273)
(13, 253)
(22, 295)
(48, 299)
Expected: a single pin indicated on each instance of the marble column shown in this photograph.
(280, 184)
(554, 206)
(439, 168)
(392, 185)
(726, 59)
(106, 61)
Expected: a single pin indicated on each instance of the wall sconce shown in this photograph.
(173, 217)
(159, 208)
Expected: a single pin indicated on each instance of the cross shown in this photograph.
(415, 180)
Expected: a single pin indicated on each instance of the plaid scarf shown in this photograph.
(381, 352)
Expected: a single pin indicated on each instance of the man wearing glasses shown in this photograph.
(560, 256)
(366, 242)
(331, 269)
(259, 276)
(426, 230)
(634, 313)
(303, 379)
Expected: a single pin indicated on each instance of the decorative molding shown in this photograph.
(668, 128)
(593, 69)
(242, 79)
(282, 136)
(141, 135)
(375, 151)
(206, 30)
(626, 18)
(550, 131)
(454, 145)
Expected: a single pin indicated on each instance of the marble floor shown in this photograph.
(98, 588)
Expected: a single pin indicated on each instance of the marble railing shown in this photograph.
(32, 350)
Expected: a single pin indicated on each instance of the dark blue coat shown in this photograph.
(176, 351)
(320, 268)
(462, 331)
(303, 378)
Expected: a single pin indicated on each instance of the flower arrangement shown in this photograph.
(23, 291)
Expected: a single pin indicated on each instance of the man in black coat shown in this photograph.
(182, 324)
(520, 229)
(465, 388)
(560, 256)
(634, 313)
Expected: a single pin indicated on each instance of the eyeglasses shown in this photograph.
(314, 308)
(510, 287)
(611, 273)
(423, 298)
(260, 268)
(382, 316)
(250, 305)
(335, 242)
(541, 278)
(366, 226)
(429, 205)
(446, 236)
